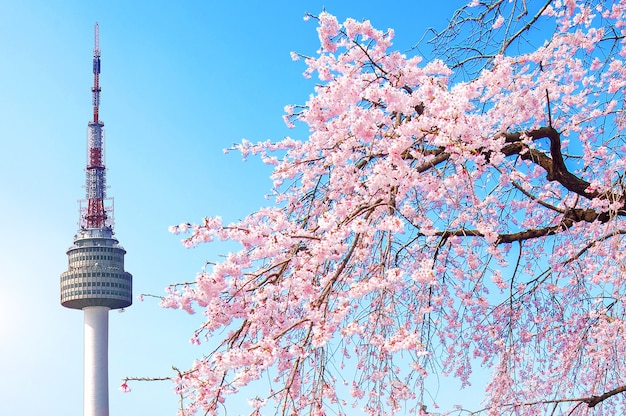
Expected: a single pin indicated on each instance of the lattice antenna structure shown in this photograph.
(96, 215)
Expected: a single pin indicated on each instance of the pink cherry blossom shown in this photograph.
(431, 222)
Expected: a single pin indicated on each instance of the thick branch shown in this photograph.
(593, 401)
(555, 168)
(506, 238)
(554, 165)
(439, 158)
(570, 217)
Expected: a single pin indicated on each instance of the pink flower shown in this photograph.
(498, 22)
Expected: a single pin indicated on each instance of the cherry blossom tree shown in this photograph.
(440, 216)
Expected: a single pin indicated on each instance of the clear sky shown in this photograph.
(181, 81)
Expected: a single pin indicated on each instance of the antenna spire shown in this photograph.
(95, 90)
(96, 215)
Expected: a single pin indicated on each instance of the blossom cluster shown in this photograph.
(426, 223)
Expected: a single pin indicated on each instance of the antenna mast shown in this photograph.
(96, 215)
(95, 90)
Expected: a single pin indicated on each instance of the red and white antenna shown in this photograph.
(96, 213)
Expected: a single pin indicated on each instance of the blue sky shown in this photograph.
(180, 82)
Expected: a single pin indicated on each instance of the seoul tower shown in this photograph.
(95, 281)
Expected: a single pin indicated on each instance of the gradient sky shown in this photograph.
(181, 81)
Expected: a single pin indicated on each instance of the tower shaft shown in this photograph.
(96, 371)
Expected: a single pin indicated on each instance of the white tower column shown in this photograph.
(96, 394)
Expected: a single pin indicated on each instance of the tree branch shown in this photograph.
(570, 217)
(526, 27)
(593, 401)
(554, 165)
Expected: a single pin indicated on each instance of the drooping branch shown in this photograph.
(592, 243)
(473, 37)
(507, 42)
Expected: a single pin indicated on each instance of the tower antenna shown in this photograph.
(96, 215)
(95, 90)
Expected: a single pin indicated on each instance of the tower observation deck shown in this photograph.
(95, 280)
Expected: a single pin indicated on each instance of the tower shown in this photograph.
(95, 281)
